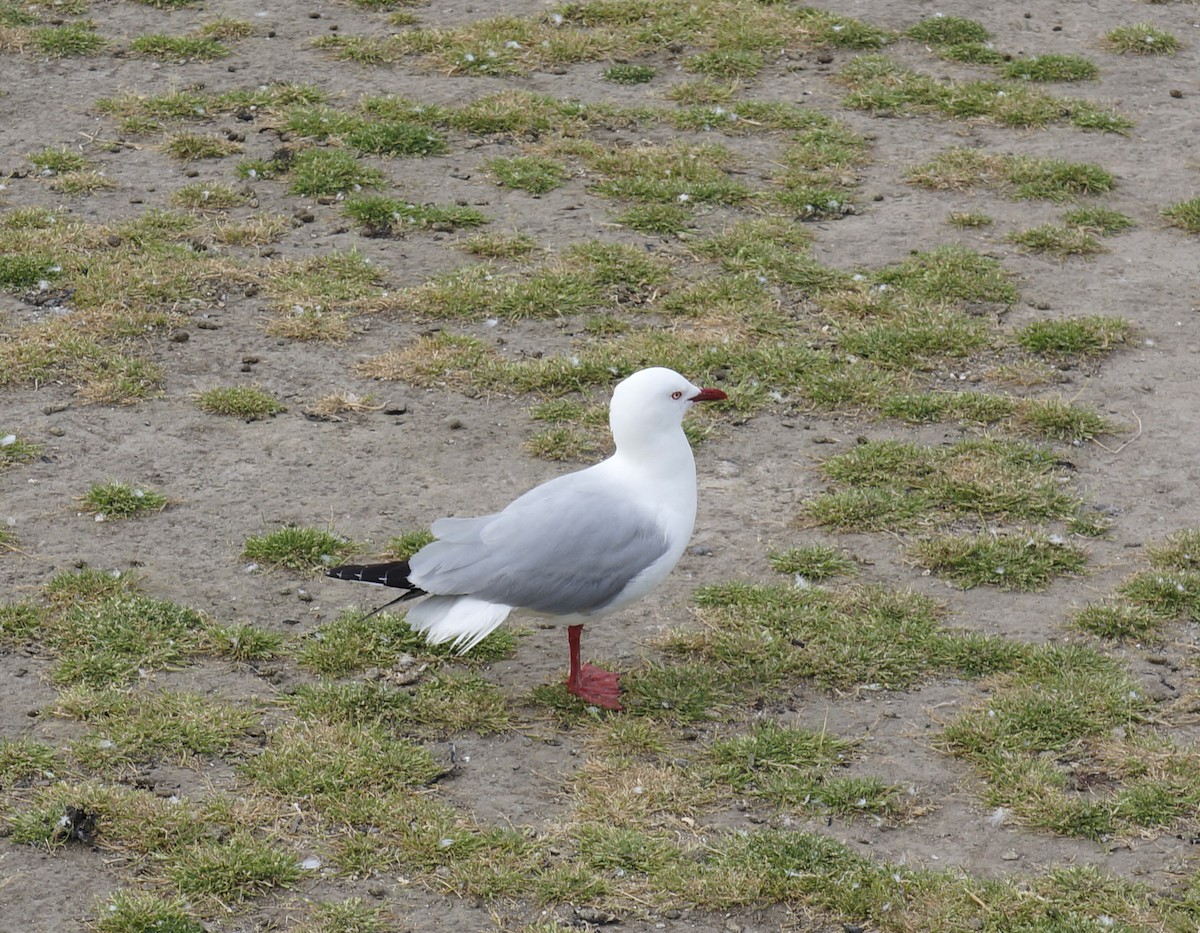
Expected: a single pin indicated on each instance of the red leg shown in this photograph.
(588, 682)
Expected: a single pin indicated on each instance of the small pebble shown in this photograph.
(1176, 93)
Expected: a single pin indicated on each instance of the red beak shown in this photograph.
(709, 395)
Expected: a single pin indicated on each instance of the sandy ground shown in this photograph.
(376, 474)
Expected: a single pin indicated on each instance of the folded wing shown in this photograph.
(569, 546)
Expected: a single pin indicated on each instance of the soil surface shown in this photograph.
(372, 475)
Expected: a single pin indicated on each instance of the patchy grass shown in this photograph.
(247, 402)
(68, 40)
(1068, 703)
(950, 273)
(793, 768)
(316, 172)
(303, 549)
(348, 644)
(1101, 220)
(55, 160)
(138, 726)
(584, 278)
(120, 500)
(759, 638)
(535, 174)
(1119, 621)
(225, 27)
(24, 760)
(404, 546)
(69, 171)
(179, 48)
(1141, 39)
(15, 449)
(380, 126)
(501, 245)
(326, 771)
(947, 30)
(890, 484)
(116, 639)
(1075, 338)
(880, 85)
(188, 147)
(231, 870)
(383, 216)
(331, 761)
(662, 219)
(1012, 562)
(629, 74)
(1051, 67)
(130, 911)
(969, 220)
(1185, 215)
(1020, 177)
(814, 564)
(1151, 599)
(674, 174)
(1057, 240)
(201, 196)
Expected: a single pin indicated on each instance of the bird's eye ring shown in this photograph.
(676, 395)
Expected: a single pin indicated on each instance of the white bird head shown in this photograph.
(650, 404)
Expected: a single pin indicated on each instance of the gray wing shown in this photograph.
(568, 546)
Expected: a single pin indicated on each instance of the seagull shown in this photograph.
(575, 548)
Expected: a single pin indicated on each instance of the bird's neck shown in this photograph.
(666, 451)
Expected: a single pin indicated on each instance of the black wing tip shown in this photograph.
(392, 573)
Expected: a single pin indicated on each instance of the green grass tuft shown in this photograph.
(15, 449)
(1142, 39)
(1011, 562)
(187, 147)
(120, 500)
(629, 74)
(68, 39)
(1051, 67)
(233, 869)
(383, 216)
(348, 644)
(404, 546)
(1058, 241)
(26, 760)
(1078, 338)
(948, 30)
(319, 761)
(760, 639)
(316, 172)
(115, 639)
(815, 563)
(179, 48)
(298, 548)
(141, 911)
(1185, 215)
(535, 174)
(1119, 621)
(248, 402)
(889, 484)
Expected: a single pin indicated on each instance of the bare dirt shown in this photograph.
(373, 475)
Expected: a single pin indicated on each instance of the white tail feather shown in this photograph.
(466, 620)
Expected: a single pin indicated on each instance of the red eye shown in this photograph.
(676, 395)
